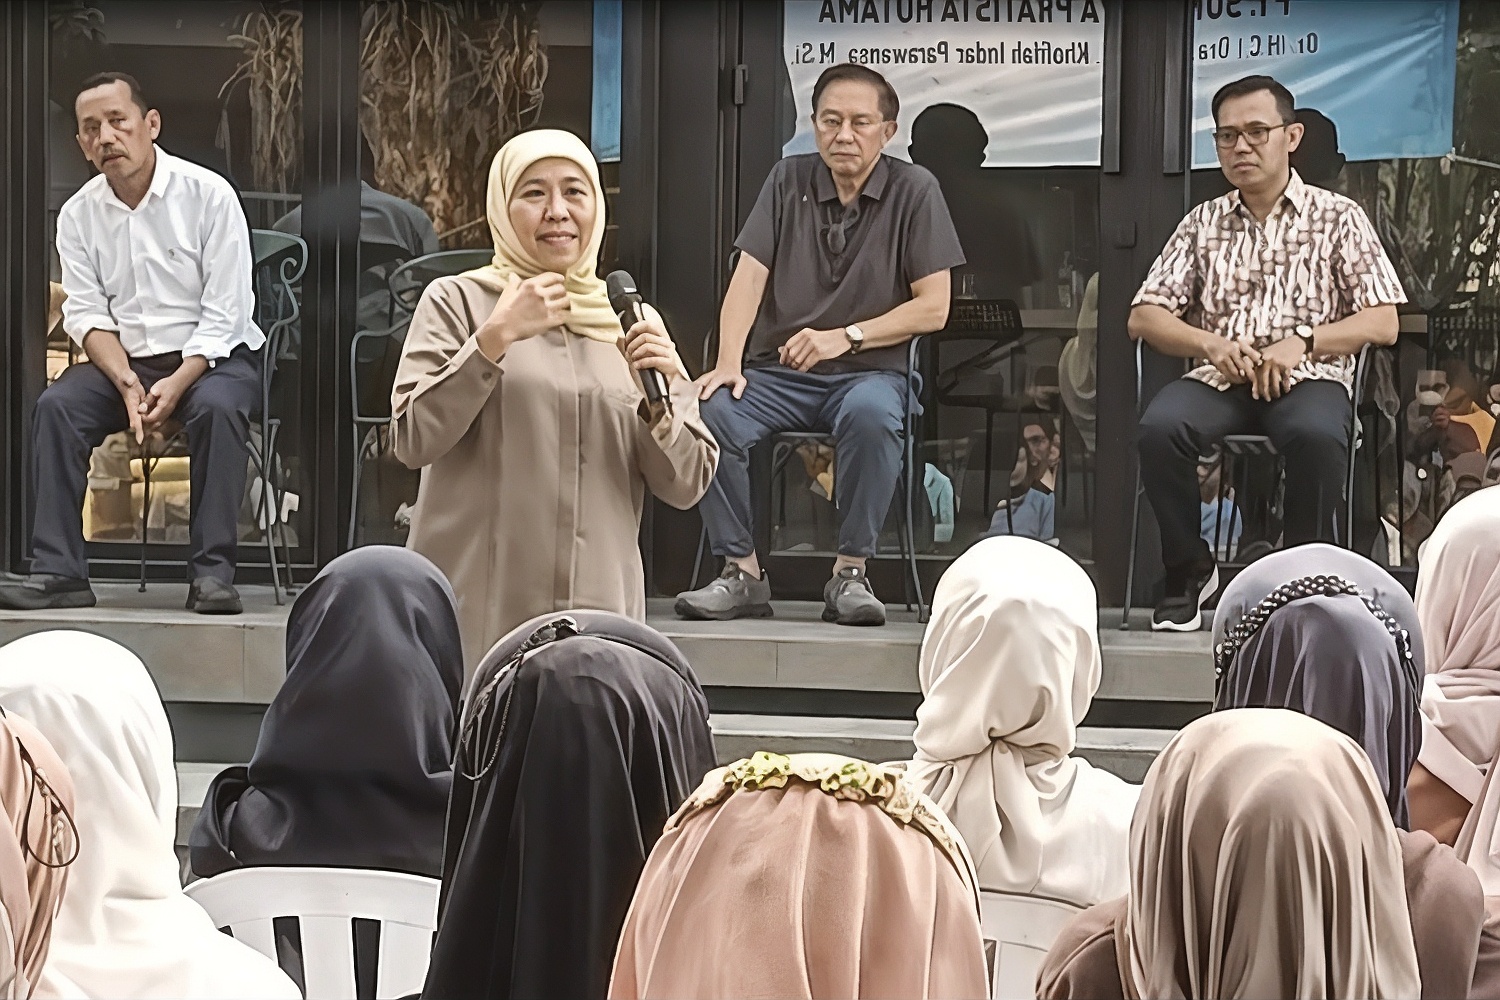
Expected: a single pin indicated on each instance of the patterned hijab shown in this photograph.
(592, 316)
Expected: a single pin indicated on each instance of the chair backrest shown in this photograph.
(1018, 930)
(280, 260)
(325, 903)
(410, 279)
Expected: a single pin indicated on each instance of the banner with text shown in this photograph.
(1031, 71)
(1381, 70)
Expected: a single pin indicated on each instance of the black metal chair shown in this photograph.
(1243, 446)
(374, 355)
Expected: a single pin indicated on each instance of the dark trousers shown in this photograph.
(78, 411)
(862, 410)
(1309, 427)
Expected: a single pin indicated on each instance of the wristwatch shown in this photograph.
(1305, 334)
(856, 338)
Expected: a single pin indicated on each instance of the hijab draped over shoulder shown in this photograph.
(1458, 599)
(806, 876)
(354, 761)
(592, 316)
(38, 843)
(125, 928)
(1330, 657)
(1263, 863)
(1008, 668)
(582, 733)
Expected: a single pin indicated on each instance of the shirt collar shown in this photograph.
(1295, 192)
(825, 190)
(161, 176)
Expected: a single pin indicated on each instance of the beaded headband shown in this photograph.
(1296, 590)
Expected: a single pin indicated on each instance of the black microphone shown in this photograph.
(625, 300)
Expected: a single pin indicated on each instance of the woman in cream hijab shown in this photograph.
(1008, 669)
(1263, 863)
(38, 844)
(516, 400)
(125, 928)
(806, 876)
(1458, 603)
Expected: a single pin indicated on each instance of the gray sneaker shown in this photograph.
(848, 599)
(733, 594)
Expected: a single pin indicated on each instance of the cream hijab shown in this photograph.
(1458, 604)
(1264, 864)
(125, 928)
(591, 315)
(1008, 669)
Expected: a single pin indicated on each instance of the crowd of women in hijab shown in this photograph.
(1330, 829)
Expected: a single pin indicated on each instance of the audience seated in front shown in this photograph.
(125, 928)
(38, 845)
(582, 732)
(354, 763)
(1458, 601)
(1263, 863)
(1337, 657)
(843, 260)
(1008, 668)
(156, 264)
(812, 875)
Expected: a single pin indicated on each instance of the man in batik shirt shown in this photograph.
(1277, 285)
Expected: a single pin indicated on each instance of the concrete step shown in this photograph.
(239, 659)
(1125, 752)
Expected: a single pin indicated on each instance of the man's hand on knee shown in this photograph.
(711, 381)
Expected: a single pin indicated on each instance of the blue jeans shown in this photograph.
(862, 410)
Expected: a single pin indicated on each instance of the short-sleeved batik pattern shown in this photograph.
(1316, 259)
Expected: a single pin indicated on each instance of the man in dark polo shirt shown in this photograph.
(844, 259)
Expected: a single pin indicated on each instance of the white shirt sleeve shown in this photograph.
(86, 307)
(228, 300)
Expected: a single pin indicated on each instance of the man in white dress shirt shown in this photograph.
(156, 263)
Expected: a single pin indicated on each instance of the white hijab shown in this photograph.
(125, 928)
(1458, 604)
(1009, 666)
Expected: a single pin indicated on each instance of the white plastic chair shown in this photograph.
(325, 902)
(1018, 930)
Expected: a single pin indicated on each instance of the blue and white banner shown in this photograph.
(1030, 71)
(1381, 70)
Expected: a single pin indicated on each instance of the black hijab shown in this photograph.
(570, 761)
(353, 765)
(1331, 657)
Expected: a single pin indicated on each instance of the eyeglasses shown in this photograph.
(833, 124)
(1255, 135)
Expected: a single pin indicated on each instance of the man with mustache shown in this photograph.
(156, 264)
(1278, 285)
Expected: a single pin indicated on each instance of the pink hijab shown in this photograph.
(795, 883)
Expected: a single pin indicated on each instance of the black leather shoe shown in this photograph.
(208, 596)
(43, 592)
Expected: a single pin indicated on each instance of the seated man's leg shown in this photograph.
(215, 411)
(775, 399)
(1310, 427)
(1185, 420)
(73, 415)
(865, 412)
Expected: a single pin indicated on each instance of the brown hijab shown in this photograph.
(805, 876)
(1263, 864)
(39, 842)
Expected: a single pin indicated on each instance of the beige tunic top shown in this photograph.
(534, 469)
